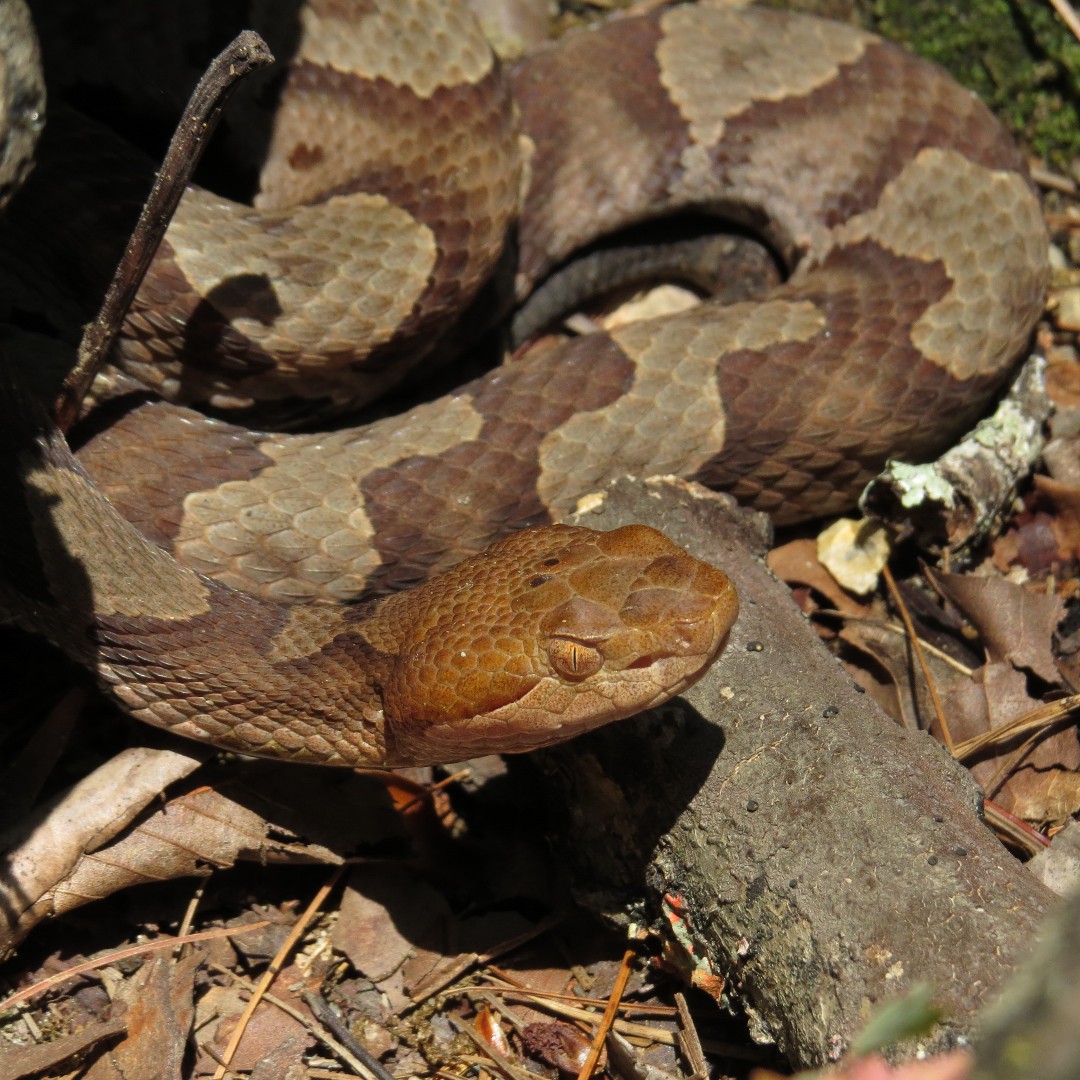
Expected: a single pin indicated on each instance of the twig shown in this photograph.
(339, 1051)
(957, 502)
(920, 656)
(124, 954)
(516, 987)
(689, 1043)
(441, 979)
(1010, 827)
(1055, 181)
(609, 1016)
(275, 967)
(893, 628)
(321, 1010)
(245, 54)
(1068, 16)
(1042, 716)
(188, 919)
(545, 1002)
(588, 1016)
(429, 793)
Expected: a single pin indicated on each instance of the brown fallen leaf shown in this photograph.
(160, 1010)
(1060, 796)
(878, 653)
(1062, 376)
(1038, 784)
(1015, 624)
(45, 849)
(797, 563)
(1028, 542)
(268, 1028)
(52, 1057)
(393, 926)
(1063, 501)
(190, 836)
(257, 811)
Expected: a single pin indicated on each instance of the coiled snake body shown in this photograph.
(919, 259)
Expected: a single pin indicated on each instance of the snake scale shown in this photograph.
(918, 261)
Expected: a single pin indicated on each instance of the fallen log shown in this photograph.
(811, 857)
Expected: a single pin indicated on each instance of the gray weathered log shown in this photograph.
(824, 859)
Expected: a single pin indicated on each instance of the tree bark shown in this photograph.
(811, 858)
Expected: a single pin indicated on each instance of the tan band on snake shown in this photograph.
(919, 265)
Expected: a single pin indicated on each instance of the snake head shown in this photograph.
(546, 634)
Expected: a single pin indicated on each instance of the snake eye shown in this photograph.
(573, 659)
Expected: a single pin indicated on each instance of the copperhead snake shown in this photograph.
(919, 264)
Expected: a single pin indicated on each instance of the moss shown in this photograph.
(1016, 55)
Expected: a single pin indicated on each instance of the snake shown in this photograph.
(198, 584)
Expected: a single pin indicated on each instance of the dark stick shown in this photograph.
(326, 1016)
(245, 54)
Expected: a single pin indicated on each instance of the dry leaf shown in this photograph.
(1043, 787)
(160, 1011)
(189, 836)
(797, 563)
(267, 1029)
(49, 846)
(1030, 543)
(1064, 501)
(1015, 624)
(854, 552)
(50, 1058)
(393, 927)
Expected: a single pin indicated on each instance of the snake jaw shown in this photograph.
(555, 709)
(617, 623)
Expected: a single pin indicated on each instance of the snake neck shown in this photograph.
(179, 651)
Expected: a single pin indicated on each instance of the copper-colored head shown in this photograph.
(546, 634)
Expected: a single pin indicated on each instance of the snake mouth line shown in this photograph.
(645, 661)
